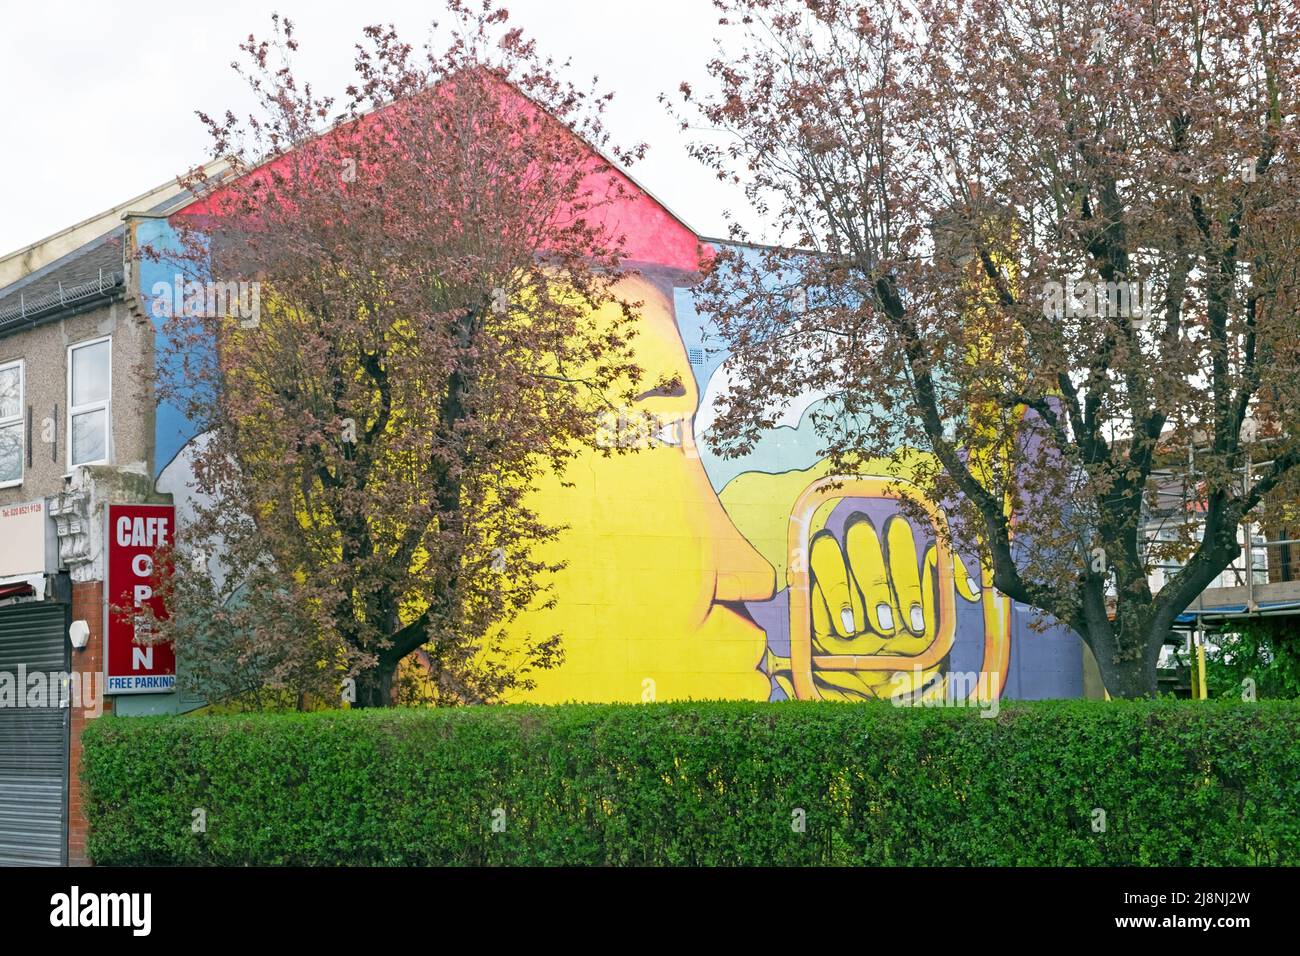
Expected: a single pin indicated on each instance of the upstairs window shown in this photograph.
(90, 386)
(11, 424)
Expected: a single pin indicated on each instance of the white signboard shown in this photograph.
(26, 540)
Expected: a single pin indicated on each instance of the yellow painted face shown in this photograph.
(650, 601)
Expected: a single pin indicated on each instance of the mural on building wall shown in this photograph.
(765, 577)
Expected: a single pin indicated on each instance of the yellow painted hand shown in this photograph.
(874, 595)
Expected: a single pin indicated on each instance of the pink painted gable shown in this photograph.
(651, 234)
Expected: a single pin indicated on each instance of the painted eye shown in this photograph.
(885, 617)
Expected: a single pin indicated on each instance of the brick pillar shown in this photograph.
(88, 606)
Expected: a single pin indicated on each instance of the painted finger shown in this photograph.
(824, 638)
(830, 571)
(821, 618)
(929, 599)
(867, 563)
(968, 586)
(905, 572)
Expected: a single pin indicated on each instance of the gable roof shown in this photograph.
(83, 275)
(652, 233)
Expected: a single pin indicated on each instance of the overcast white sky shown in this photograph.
(99, 98)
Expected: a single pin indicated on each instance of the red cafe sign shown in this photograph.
(134, 534)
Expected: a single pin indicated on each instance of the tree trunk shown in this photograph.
(1128, 674)
(375, 686)
(1129, 678)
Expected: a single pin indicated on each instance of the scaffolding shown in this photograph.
(1262, 581)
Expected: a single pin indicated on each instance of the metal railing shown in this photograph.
(34, 307)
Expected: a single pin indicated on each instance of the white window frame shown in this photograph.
(106, 405)
(20, 419)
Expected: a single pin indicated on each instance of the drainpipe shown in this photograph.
(1200, 660)
(1251, 606)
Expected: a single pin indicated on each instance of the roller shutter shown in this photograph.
(33, 740)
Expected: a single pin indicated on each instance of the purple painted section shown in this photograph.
(774, 617)
(1044, 664)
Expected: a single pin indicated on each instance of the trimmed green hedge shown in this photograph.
(715, 783)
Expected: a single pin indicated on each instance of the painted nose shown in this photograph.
(743, 574)
(740, 572)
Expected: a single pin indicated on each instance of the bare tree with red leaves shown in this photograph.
(1051, 244)
(438, 324)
